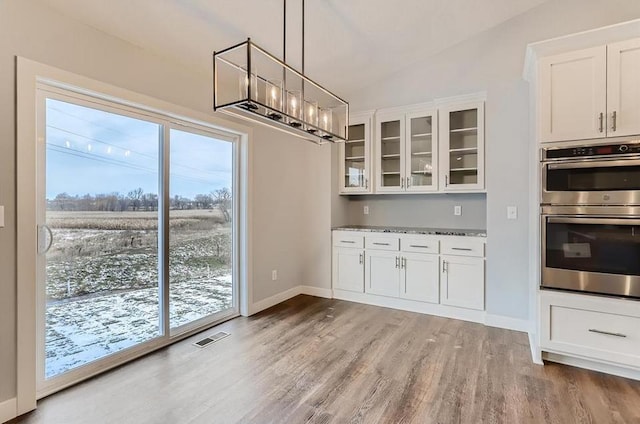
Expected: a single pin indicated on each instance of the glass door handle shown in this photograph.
(48, 246)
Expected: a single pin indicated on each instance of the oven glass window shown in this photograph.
(594, 179)
(610, 249)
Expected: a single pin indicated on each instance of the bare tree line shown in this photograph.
(138, 200)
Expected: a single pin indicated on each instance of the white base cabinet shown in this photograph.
(440, 270)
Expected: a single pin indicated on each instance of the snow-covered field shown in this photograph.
(102, 280)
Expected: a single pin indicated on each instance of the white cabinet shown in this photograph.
(598, 328)
(382, 272)
(623, 88)
(462, 151)
(406, 151)
(462, 281)
(447, 270)
(419, 277)
(355, 156)
(348, 261)
(590, 93)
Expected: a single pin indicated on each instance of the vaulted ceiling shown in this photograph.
(349, 44)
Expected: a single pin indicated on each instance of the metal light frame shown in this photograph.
(237, 64)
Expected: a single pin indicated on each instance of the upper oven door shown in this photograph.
(591, 254)
(591, 182)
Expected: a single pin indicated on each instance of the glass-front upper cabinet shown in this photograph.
(390, 130)
(355, 156)
(421, 152)
(462, 157)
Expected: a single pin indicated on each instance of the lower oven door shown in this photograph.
(591, 254)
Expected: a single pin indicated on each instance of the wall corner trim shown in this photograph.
(8, 410)
(508, 323)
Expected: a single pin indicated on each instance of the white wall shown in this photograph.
(493, 62)
(290, 176)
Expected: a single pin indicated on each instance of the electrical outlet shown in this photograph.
(512, 212)
(457, 210)
(274, 275)
(365, 210)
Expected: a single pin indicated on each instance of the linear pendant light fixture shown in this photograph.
(253, 84)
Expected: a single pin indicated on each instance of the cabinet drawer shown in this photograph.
(462, 247)
(382, 243)
(419, 244)
(348, 239)
(595, 334)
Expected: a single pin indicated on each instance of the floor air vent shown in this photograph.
(211, 339)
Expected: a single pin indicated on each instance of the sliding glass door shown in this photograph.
(137, 235)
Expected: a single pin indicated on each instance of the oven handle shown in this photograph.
(602, 221)
(593, 164)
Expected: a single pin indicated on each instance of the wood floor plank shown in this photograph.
(312, 360)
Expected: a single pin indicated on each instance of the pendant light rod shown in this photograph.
(303, 36)
(284, 32)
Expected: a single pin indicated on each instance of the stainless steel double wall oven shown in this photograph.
(590, 205)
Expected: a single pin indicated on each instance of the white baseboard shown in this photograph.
(316, 291)
(592, 365)
(8, 410)
(536, 354)
(274, 300)
(501, 321)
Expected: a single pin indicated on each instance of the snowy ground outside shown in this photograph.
(102, 280)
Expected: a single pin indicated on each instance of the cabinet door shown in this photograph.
(348, 269)
(573, 95)
(421, 151)
(420, 277)
(462, 158)
(355, 157)
(462, 282)
(390, 153)
(382, 273)
(623, 88)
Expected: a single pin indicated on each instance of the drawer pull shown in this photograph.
(347, 241)
(608, 333)
(381, 244)
(418, 245)
(466, 249)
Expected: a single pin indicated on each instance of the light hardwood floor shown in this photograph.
(330, 361)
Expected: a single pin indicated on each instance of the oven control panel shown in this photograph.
(592, 151)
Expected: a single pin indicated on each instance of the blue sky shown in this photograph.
(93, 152)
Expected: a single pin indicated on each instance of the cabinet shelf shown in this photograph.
(464, 150)
(421, 135)
(461, 130)
(422, 172)
(354, 158)
(390, 138)
(391, 156)
(391, 173)
(463, 169)
(422, 154)
(359, 140)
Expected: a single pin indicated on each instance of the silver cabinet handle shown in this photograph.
(380, 244)
(403, 264)
(444, 266)
(465, 249)
(419, 245)
(608, 333)
(347, 241)
(46, 249)
(397, 262)
(408, 182)
(366, 183)
(402, 183)
(446, 180)
(614, 118)
(601, 119)
(361, 258)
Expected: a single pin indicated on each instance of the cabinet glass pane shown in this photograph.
(421, 134)
(354, 157)
(463, 147)
(390, 153)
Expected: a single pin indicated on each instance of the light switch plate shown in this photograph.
(1, 216)
(457, 210)
(512, 212)
(365, 210)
